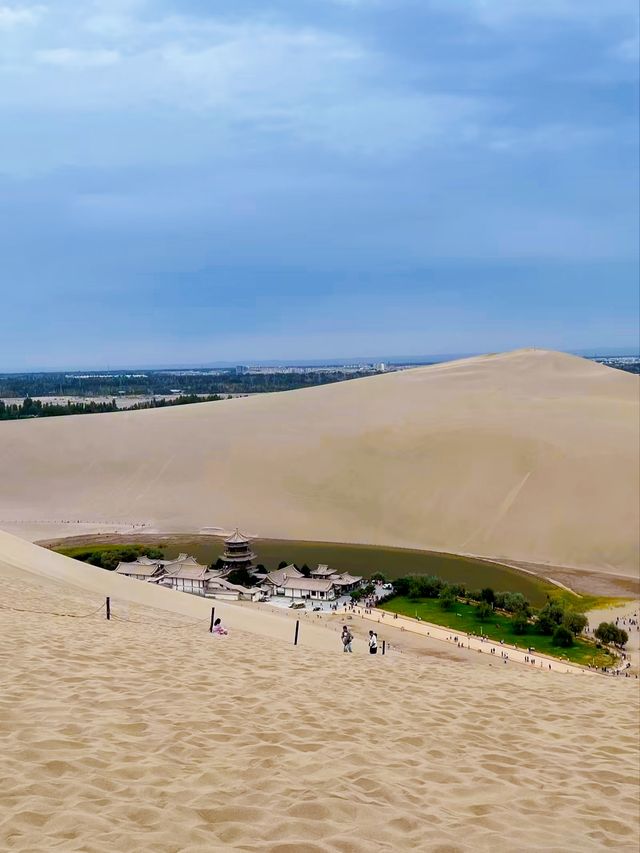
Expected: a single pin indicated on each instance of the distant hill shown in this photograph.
(529, 455)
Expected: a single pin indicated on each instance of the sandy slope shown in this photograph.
(529, 455)
(142, 735)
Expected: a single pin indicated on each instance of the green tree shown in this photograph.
(488, 595)
(575, 622)
(484, 611)
(562, 637)
(378, 576)
(550, 617)
(512, 602)
(520, 624)
(608, 633)
(447, 599)
(241, 577)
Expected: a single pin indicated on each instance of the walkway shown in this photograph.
(470, 641)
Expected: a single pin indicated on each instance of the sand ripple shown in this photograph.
(123, 737)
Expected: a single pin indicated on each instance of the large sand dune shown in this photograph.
(530, 455)
(152, 736)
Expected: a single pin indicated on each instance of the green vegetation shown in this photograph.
(463, 619)
(610, 634)
(150, 383)
(503, 616)
(38, 409)
(108, 556)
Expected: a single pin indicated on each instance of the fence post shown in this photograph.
(213, 616)
(295, 639)
(108, 608)
(384, 646)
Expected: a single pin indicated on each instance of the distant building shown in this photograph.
(325, 584)
(185, 574)
(237, 552)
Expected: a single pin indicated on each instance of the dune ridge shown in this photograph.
(529, 455)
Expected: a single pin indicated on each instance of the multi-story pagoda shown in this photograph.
(237, 552)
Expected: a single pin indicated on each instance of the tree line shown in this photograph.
(30, 408)
(555, 619)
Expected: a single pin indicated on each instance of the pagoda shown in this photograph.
(237, 552)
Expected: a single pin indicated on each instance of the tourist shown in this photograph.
(219, 629)
(347, 639)
(373, 643)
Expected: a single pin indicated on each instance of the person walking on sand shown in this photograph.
(347, 639)
(373, 643)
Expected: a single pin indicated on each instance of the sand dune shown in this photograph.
(529, 455)
(133, 735)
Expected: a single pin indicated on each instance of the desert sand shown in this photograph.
(529, 456)
(146, 733)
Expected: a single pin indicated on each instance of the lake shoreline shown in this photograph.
(576, 581)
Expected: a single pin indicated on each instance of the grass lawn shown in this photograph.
(463, 620)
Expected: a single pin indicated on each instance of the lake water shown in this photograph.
(366, 560)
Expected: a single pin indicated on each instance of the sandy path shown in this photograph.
(448, 635)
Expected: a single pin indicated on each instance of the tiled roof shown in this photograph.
(345, 579)
(310, 584)
(137, 567)
(279, 576)
(237, 538)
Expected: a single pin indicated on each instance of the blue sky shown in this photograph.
(205, 180)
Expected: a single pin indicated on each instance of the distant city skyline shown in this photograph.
(607, 352)
(276, 180)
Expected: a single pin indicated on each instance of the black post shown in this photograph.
(384, 646)
(213, 616)
(295, 639)
(108, 608)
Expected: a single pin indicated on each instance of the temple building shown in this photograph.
(324, 584)
(237, 552)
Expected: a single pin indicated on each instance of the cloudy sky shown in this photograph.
(203, 180)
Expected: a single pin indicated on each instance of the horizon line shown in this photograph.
(594, 352)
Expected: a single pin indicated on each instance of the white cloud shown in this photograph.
(628, 50)
(15, 16)
(500, 13)
(64, 57)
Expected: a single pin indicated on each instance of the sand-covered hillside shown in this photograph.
(529, 455)
(147, 734)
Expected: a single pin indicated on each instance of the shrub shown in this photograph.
(378, 576)
(562, 637)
